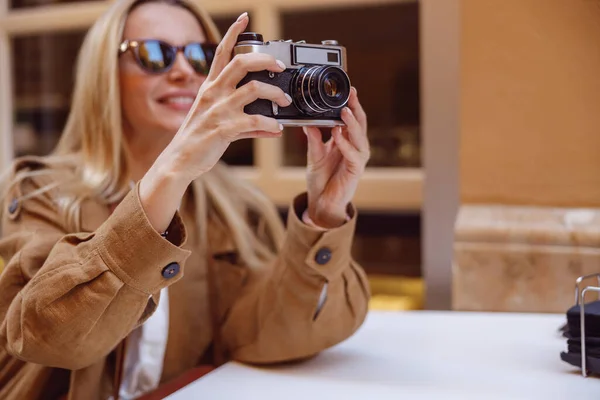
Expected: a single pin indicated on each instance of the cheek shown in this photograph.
(136, 95)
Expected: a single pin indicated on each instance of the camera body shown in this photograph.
(315, 78)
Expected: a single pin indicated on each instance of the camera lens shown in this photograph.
(334, 84)
(320, 89)
(330, 87)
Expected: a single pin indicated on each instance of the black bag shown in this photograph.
(572, 332)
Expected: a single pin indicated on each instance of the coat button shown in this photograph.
(323, 256)
(12, 207)
(170, 270)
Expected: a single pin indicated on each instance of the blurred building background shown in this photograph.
(483, 188)
(40, 40)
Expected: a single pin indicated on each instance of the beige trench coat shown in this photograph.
(67, 300)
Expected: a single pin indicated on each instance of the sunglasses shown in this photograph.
(156, 56)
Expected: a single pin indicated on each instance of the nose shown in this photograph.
(181, 69)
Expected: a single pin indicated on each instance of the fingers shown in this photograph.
(316, 147)
(357, 109)
(257, 135)
(249, 126)
(356, 133)
(349, 152)
(241, 64)
(255, 90)
(225, 48)
(257, 122)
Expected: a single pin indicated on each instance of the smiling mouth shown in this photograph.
(178, 100)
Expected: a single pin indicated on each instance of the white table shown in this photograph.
(419, 355)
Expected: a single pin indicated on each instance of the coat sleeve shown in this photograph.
(67, 299)
(277, 316)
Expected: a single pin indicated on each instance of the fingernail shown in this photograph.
(280, 127)
(348, 110)
(241, 17)
(289, 98)
(280, 64)
(355, 91)
(304, 130)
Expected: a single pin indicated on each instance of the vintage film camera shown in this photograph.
(315, 78)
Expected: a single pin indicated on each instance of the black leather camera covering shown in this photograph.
(282, 80)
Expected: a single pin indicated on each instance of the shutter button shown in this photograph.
(170, 270)
(323, 256)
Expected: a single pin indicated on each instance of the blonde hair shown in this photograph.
(92, 145)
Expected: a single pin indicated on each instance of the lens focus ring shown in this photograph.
(320, 89)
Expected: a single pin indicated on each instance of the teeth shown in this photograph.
(180, 100)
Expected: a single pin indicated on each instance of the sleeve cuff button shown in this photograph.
(170, 270)
(323, 256)
(12, 207)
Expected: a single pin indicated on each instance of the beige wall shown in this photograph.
(529, 142)
(530, 102)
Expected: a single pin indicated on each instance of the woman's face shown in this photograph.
(156, 104)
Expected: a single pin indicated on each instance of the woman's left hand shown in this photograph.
(335, 167)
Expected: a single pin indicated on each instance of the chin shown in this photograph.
(170, 130)
(176, 123)
(167, 120)
(171, 123)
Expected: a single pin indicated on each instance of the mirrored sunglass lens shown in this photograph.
(155, 55)
(200, 57)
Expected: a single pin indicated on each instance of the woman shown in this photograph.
(97, 235)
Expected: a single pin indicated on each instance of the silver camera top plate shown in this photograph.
(297, 55)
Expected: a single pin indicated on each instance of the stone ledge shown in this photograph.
(522, 259)
(528, 225)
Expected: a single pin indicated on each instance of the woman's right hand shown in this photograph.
(216, 119)
(217, 116)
